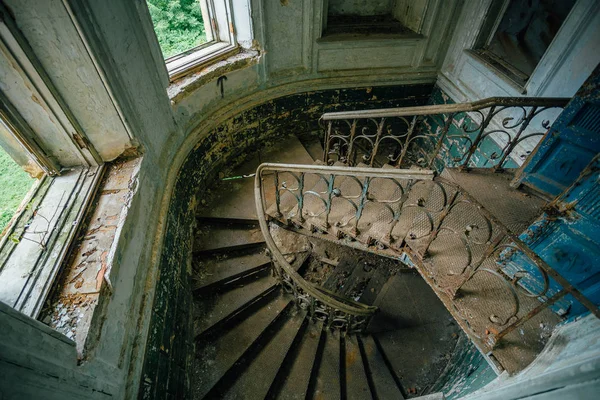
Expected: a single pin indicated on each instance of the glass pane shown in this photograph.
(178, 24)
(526, 30)
(14, 184)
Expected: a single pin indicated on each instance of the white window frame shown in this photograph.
(37, 239)
(511, 74)
(222, 40)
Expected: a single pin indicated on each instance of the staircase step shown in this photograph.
(338, 277)
(378, 280)
(220, 269)
(357, 282)
(357, 385)
(219, 354)
(327, 383)
(229, 236)
(384, 383)
(235, 198)
(254, 382)
(314, 147)
(294, 385)
(218, 308)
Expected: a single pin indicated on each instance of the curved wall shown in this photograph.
(169, 343)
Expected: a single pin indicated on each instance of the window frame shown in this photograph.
(512, 75)
(223, 43)
(64, 187)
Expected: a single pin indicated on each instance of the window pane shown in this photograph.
(178, 24)
(14, 184)
(526, 30)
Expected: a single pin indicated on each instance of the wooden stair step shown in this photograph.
(227, 235)
(216, 356)
(385, 384)
(255, 380)
(220, 269)
(235, 198)
(375, 286)
(295, 382)
(218, 308)
(357, 384)
(327, 380)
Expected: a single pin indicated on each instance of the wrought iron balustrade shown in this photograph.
(457, 245)
(497, 132)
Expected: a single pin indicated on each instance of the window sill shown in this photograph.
(75, 306)
(38, 239)
(184, 64)
(190, 82)
(498, 70)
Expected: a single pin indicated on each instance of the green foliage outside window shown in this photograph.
(178, 25)
(15, 184)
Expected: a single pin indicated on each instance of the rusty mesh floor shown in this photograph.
(514, 208)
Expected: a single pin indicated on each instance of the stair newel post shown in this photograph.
(377, 140)
(441, 139)
(327, 143)
(411, 129)
(361, 205)
(514, 141)
(277, 195)
(437, 226)
(301, 197)
(330, 195)
(351, 141)
(480, 131)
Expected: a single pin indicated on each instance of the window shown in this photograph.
(516, 35)
(192, 32)
(353, 18)
(14, 181)
(42, 138)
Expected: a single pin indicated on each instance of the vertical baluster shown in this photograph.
(301, 197)
(330, 195)
(513, 142)
(327, 142)
(437, 227)
(361, 205)
(377, 140)
(349, 156)
(440, 141)
(277, 195)
(411, 128)
(475, 145)
(388, 236)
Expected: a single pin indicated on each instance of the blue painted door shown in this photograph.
(567, 237)
(569, 145)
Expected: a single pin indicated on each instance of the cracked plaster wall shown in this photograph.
(105, 63)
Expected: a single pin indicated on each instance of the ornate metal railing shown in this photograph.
(334, 310)
(497, 132)
(471, 259)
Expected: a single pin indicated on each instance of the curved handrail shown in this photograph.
(348, 306)
(449, 108)
(464, 129)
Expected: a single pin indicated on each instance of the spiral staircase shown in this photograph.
(353, 270)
